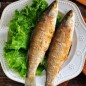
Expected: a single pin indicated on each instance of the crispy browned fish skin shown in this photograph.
(59, 47)
(40, 41)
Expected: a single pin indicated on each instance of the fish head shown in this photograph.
(70, 17)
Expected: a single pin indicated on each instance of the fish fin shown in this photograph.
(31, 82)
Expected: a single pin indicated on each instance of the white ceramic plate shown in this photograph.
(74, 64)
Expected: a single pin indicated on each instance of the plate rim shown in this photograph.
(83, 25)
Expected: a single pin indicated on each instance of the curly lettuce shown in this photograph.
(19, 34)
(20, 30)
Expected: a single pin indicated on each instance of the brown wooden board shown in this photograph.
(78, 81)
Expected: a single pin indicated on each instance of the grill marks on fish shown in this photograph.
(59, 47)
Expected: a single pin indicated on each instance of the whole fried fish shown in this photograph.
(59, 47)
(40, 41)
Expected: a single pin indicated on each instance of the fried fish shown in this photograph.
(59, 47)
(40, 41)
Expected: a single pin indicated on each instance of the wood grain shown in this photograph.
(78, 81)
(82, 2)
(84, 69)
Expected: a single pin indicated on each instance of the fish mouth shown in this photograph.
(53, 5)
(70, 14)
(68, 20)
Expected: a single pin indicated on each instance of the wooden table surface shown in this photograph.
(78, 81)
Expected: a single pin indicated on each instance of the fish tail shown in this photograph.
(49, 81)
(30, 82)
(49, 84)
